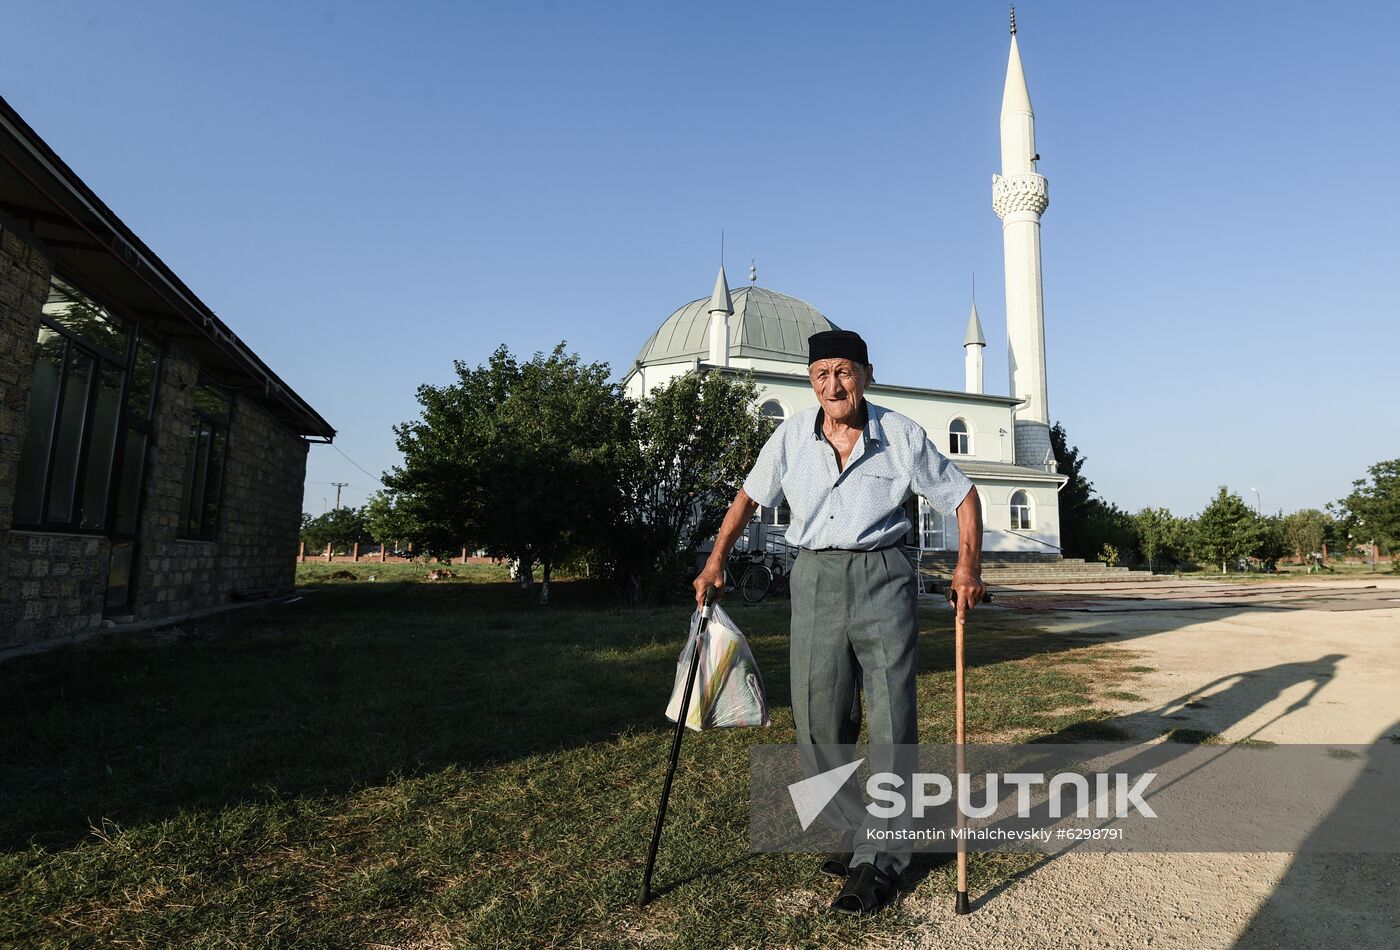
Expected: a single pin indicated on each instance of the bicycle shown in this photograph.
(765, 577)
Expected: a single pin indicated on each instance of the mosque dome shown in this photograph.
(765, 325)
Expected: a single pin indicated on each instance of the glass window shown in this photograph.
(958, 438)
(772, 409)
(68, 435)
(1020, 510)
(204, 467)
(102, 443)
(39, 424)
(93, 384)
(133, 465)
(86, 320)
(141, 396)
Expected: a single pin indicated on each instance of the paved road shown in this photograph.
(1303, 663)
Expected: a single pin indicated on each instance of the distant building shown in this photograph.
(151, 466)
(1001, 442)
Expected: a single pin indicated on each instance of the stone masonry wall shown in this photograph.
(52, 584)
(24, 285)
(260, 513)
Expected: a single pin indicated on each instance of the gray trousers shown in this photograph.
(855, 627)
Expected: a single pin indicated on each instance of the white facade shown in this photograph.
(1001, 442)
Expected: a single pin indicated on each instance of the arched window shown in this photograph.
(1020, 510)
(959, 441)
(772, 409)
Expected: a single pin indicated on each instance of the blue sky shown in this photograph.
(366, 192)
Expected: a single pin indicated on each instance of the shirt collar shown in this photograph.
(873, 432)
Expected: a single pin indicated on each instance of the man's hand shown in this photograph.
(967, 584)
(712, 577)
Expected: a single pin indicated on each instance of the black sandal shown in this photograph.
(838, 863)
(866, 891)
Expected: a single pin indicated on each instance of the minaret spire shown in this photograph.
(1013, 19)
(720, 309)
(974, 343)
(1020, 196)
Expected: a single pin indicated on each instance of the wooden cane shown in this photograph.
(961, 905)
(705, 607)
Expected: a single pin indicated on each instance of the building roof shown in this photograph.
(971, 466)
(765, 325)
(974, 329)
(95, 248)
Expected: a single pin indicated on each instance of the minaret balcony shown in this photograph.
(1026, 192)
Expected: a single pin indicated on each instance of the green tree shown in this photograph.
(339, 527)
(693, 441)
(1272, 543)
(1227, 529)
(1087, 522)
(389, 523)
(1372, 510)
(1159, 535)
(519, 459)
(1305, 530)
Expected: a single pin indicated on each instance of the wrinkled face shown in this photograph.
(840, 386)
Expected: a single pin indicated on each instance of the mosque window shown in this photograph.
(772, 409)
(959, 440)
(1020, 510)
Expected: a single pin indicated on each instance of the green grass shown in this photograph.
(413, 763)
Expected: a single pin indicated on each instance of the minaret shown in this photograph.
(720, 309)
(973, 344)
(1019, 197)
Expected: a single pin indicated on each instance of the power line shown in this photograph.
(357, 465)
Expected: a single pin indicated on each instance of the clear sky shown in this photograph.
(366, 192)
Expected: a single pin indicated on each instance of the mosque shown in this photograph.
(1002, 443)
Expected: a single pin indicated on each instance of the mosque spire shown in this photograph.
(974, 343)
(1020, 195)
(753, 270)
(720, 309)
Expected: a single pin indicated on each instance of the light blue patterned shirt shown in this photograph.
(860, 507)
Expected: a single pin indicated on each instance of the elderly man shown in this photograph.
(846, 468)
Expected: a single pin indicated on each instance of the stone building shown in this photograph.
(151, 465)
(1001, 442)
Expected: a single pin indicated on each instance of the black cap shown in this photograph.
(837, 345)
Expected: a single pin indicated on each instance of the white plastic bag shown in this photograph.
(728, 687)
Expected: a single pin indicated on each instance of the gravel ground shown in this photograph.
(1323, 665)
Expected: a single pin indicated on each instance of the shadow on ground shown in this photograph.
(357, 683)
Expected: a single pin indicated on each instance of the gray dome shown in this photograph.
(765, 324)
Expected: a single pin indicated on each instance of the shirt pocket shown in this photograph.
(880, 485)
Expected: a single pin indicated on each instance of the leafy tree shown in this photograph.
(1272, 543)
(1087, 522)
(389, 523)
(1305, 530)
(1161, 536)
(1372, 510)
(519, 459)
(1227, 529)
(693, 441)
(339, 527)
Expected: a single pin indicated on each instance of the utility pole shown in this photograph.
(338, 487)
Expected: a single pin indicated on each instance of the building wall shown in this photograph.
(24, 284)
(53, 585)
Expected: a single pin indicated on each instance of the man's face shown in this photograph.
(840, 386)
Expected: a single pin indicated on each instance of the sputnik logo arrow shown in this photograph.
(811, 795)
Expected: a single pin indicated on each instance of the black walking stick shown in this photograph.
(961, 905)
(676, 745)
